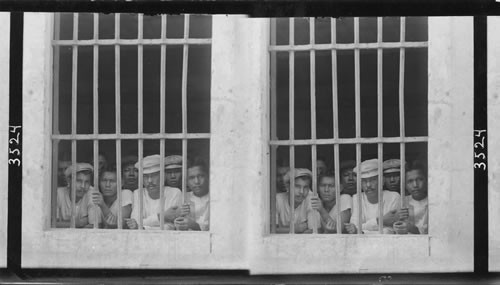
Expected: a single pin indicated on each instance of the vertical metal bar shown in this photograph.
(140, 184)
(55, 121)
(140, 110)
(95, 112)
(185, 53)
(402, 109)
(312, 77)
(336, 151)
(291, 113)
(273, 113)
(74, 109)
(358, 118)
(118, 121)
(380, 126)
(54, 186)
(162, 115)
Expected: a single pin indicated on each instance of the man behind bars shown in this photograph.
(86, 213)
(392, 177)
(327, 206)
(107, 199)
(348, 177)
(173, 171)
(130, 174)
(418, 204)
(195, 215)
(305, 218)
(151, 207)
(369, 203)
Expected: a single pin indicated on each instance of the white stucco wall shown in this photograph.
(4, 131)
(494, 142)
(240, 176)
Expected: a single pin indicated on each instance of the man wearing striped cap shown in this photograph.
(305, 218)
(86, 213)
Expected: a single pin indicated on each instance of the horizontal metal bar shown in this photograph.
(392, 45)
(130, 136)
(350, 141)
(134, 42)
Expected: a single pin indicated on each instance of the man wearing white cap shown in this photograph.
(392, 176)
(151, 208)
(86, 213)
(305, 218)
(173, 171)
(369, 203)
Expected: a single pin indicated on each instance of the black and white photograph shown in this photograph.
(191, 144)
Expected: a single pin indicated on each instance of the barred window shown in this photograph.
(348, 96)
(131, 121)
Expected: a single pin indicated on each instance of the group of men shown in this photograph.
(97, 205)
(399, 216)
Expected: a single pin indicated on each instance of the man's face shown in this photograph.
(173, 177)
(348, 180)
(152, 184)
(107, 184)
(61, 167)
(82, 184)
(416, 184)
(320, 167)
(281, 184)
(302, 188)
(370, 187)
(130, 177)
(326, 189)
(197, 181)
(392, 181)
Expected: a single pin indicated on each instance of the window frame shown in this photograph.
(46, 247)
(402, 46)
(440, 250)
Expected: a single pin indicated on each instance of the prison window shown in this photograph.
(345, 91)
(125, 87)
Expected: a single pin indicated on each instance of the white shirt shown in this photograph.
(199, 209)
(345, 204)
(127, 199)
(303, 213)
(83, 208)
(369, 211)
(151, 207)
(418, 213)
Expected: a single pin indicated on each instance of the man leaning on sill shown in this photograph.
(151, 208)
(369, 203)
(195, 213)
